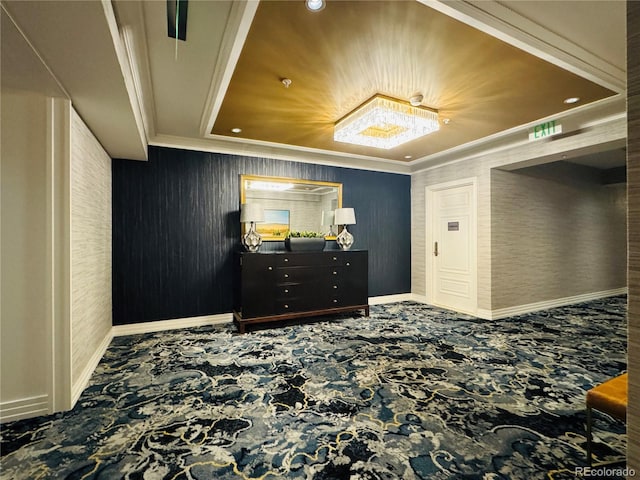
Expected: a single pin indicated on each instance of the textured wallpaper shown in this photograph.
(556, 232)
(633, 173)
(90, 246)
(176, 224)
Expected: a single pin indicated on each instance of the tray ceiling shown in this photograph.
(351, 50)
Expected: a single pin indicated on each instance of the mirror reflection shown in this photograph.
(292, 205)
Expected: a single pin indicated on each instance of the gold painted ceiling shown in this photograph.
(341, 56)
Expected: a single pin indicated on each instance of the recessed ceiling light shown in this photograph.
(571, 100)
(315, 5)
(446, 121)
(236, 130)
(408, 157)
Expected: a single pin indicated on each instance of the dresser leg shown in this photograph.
(366, 311)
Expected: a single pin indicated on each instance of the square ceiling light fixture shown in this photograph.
(384, 122)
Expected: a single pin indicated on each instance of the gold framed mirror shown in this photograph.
(292, 204)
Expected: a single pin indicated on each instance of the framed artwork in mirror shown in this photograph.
(275, 225)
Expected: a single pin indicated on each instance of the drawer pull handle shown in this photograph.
(335, 287)
(270, 268)
(286, 275)
(348, 264)
(335, 258)
(335, 273)
(286, 259)
(286, 290)
(335, 301)
(286, 306)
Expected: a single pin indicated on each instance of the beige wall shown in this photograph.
(556, 232)
(90, 252)
(480, 168)
(24, 352)
(633, 174)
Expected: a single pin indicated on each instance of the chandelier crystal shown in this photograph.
(384, 122)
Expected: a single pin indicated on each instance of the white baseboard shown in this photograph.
(419, 298)
(400, 297)
(533, 307)
(78, 387)
(159, 326)
(558, 302)
(24, 408)
(484, 314)
(149, 327)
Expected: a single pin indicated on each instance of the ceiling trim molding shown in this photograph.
(220, 144)
(235, 34)
(297, 151)
(588, 146)
(581, 119)
(503, 23)
(127, 72)
(134, 38)
(586, 116)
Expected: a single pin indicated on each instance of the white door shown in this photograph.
(451, 209)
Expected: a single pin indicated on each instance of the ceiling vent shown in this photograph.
(177, 19)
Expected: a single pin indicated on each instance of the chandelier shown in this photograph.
(383, 122)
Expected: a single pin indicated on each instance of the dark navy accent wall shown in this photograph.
(176, 223)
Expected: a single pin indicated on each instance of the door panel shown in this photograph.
(454, 265)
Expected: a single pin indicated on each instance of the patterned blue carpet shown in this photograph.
(413, 392)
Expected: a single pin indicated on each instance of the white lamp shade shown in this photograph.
(327, 217)
(251, 212)
(345, 216)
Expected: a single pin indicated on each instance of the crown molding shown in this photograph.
(221, 144)
(496, 19)
(127, 73)
(586, 116)
(134, 38)
(235, 34)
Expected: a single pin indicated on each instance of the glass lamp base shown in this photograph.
(252, 239)
(344, 239)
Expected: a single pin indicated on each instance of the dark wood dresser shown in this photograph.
(270, 287)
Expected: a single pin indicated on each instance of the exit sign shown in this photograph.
(545, 130)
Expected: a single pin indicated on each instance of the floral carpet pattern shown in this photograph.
(412, 392)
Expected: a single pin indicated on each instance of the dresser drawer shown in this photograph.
(345, 298)
(301, 304)
(317, 274)
(301, 259)
(297, 274)
(285, 291)
(253, 264)
(348, 259)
